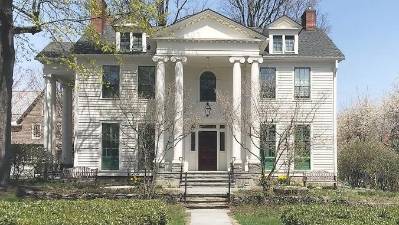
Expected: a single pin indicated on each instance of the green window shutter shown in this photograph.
(110, 146)
(302, 147)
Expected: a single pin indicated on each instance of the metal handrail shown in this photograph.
(185, 187)
(181, 169)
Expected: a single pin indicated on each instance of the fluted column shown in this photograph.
(160, 104)
(179, 97)
(236, 126)
(67, 153)
(49, 114)
(255, 142)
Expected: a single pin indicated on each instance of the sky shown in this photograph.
(367, 32)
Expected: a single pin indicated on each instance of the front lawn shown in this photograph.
(99, 211)
(257, 215)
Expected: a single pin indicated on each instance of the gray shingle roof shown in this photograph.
(21, 101)
(315, 44)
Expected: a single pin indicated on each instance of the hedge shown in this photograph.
(340, 214)
(81, 212)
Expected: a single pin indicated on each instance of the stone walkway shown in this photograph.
(210, 217)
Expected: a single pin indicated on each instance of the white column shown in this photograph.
(49, 114)
(179, 97)
(236, 126)
(160, 102)
(255, 144)
(67, 153)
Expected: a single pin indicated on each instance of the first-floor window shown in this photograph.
(110, 146)
(146, 146)
(268, 145)
(222, 141)
(302, 147)
(36, 131)
(192, 141)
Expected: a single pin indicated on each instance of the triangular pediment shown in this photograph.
(209, 25)
(284, 23)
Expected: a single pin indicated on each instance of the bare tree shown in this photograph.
(150, 133)
(271, 131)
(171, 11)
(260, 13)
(61, 21)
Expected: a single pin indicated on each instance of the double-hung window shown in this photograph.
(110, 146)
(289, 44)
(36, 131)
(268, 145)
(125, 42)
(267, 82)
(302, 82)
(278, 44)
(137, 44)
(110, 81)
(146, 146)
(146, 82)
(302, 147)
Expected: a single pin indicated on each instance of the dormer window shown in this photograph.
(125, 42)
(137, 44)
(278, 43)
(284, 44)
(131, 42)
(289, 43)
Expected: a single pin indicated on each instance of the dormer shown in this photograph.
(283, 36)
(129, 39)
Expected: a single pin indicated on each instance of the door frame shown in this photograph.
(218, 128)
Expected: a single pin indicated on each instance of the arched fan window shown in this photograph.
(208, 87)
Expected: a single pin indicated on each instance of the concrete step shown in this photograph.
(206, 184)
(207, 205)
(205, 180)
(206, 195)
(206, 200)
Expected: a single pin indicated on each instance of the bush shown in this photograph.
(83, 212)
(369, 164)
(339, 214)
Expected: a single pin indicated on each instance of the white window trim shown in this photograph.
(33, 131)
(118, 41)
(284, 51)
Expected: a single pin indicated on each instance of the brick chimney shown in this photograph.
(309, 19)
(99, 15)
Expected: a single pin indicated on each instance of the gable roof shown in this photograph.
(22, 103)
(287, 20)
(185, 21)
(313, 44)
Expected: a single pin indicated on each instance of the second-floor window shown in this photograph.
(110, 81)
(302, 82)
(267, 82)
(146, 82)
(208, 87)
(278, 43)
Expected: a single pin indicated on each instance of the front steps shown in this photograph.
(206, 189)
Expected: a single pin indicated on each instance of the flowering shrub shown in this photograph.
(340, 214)
(282, 179)
(82, 212)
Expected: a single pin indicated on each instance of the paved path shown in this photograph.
(210, 217)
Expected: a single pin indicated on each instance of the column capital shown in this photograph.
(258, 59)
(182, 59)
(159, 58)
(237, 59)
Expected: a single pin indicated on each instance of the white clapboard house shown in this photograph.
(204, 63)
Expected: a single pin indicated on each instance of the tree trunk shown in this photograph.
(7, 59)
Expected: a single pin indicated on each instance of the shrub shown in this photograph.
(83, 212)
(369, 164)
(339, 214)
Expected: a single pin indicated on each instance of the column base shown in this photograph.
(238, 168)
(176, 167)
(254, 167)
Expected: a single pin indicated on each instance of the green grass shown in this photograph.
(257, 215)
(9, 195)
(176, 215)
